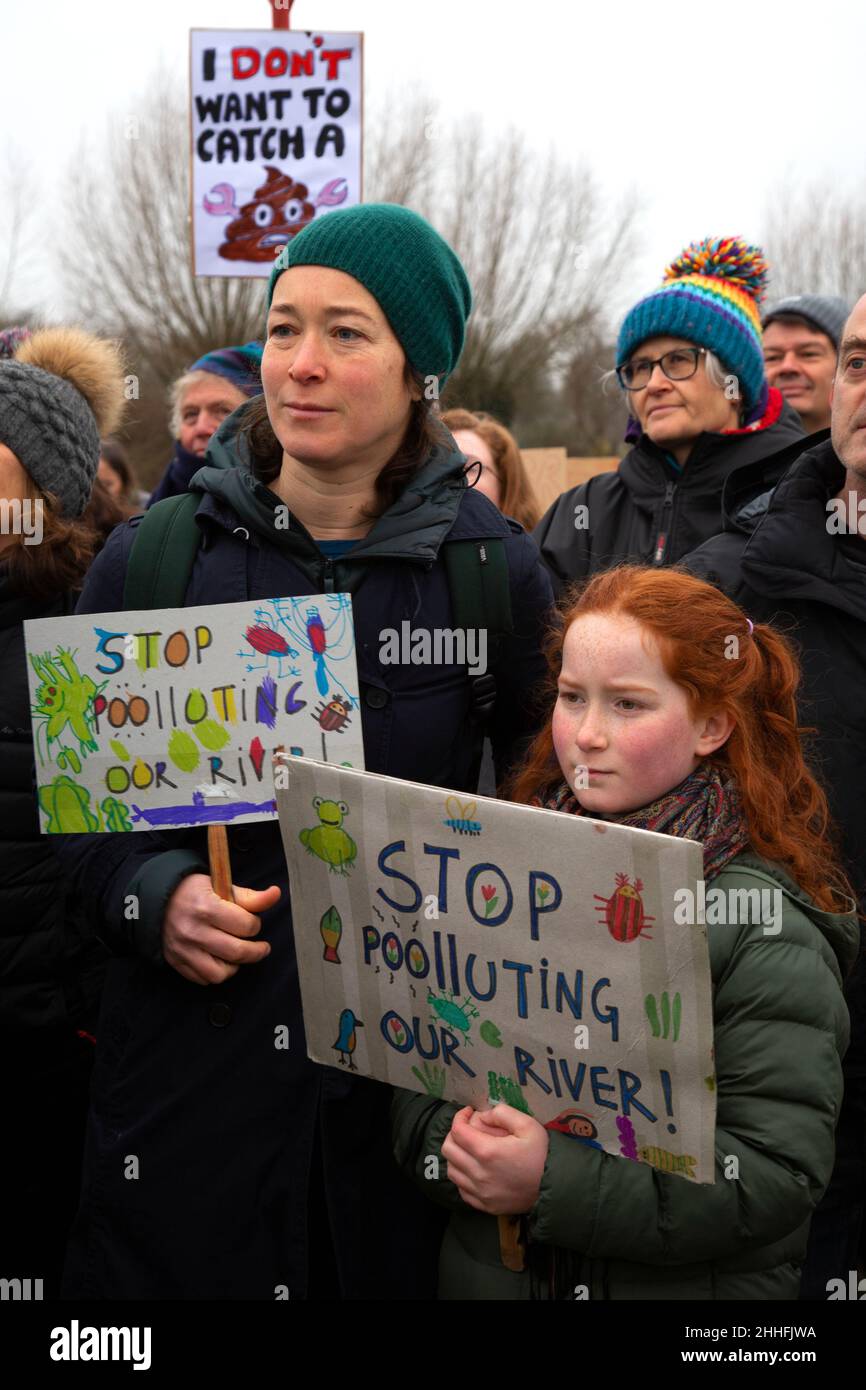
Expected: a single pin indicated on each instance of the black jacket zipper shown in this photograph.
(664, 533)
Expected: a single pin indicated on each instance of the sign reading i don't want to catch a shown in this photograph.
(276, 140)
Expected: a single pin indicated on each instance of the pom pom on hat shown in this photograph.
(726, 258)
(92, 365)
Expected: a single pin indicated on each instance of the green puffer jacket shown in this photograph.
(781, 1030)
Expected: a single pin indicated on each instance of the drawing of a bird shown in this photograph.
(347, 1040)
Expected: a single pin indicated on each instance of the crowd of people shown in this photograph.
(739, 509)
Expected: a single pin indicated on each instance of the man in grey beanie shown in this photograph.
(801, 338)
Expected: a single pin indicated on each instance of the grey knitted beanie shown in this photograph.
(58, 394)
(825, 311)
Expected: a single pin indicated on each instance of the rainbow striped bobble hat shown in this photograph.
(710, 296)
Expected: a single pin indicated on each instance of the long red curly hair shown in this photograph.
(753, 678)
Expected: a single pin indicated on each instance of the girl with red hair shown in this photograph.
(671, 711)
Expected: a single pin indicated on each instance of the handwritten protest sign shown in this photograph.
(276, 140)
(169, 717)
(478, 950)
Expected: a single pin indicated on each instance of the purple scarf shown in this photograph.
(705, 806)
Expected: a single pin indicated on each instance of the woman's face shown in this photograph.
(14, 489)
(333, 372)
(623, 730)
(110, 480)
(674, 413)
(475, 449)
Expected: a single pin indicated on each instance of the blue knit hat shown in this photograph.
(408, 268)
(11, 340)
(241, 366)
(710, 297)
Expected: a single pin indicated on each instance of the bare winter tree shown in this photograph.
(129, 267)
(18, 208)
(399, 149)
(129, 210)
(544, 253)
(584, 411)
(816, 242)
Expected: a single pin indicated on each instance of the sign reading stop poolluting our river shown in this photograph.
(477, 950)
(169, 717)
(276, 140)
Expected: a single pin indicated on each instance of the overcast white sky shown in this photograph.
(709, 110)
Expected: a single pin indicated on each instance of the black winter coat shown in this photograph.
(51, 969)
(180, 471)
(780, 560)
(249, 1154)
(645, 512)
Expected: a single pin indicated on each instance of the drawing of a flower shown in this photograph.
(487, 893)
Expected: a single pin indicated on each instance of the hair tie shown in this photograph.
(751, 626)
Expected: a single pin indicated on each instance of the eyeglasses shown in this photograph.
(678, 365)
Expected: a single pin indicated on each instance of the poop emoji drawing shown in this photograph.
(279, 209)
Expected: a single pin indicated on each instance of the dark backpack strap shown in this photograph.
(163, 553)
(480, 598)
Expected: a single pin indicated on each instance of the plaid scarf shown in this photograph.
(705, 806)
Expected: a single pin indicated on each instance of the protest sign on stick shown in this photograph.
(276, 140)
(169, 717)
(479, 951)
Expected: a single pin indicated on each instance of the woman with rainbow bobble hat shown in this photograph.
(690, 363)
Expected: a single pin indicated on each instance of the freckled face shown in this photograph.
(622, 729)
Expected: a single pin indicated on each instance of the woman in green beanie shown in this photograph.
(263, 1174)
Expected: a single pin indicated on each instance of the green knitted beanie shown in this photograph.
(408, 268)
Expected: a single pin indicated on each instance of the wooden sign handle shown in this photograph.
(511, 1250)
(281, 14)
(220, 864)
